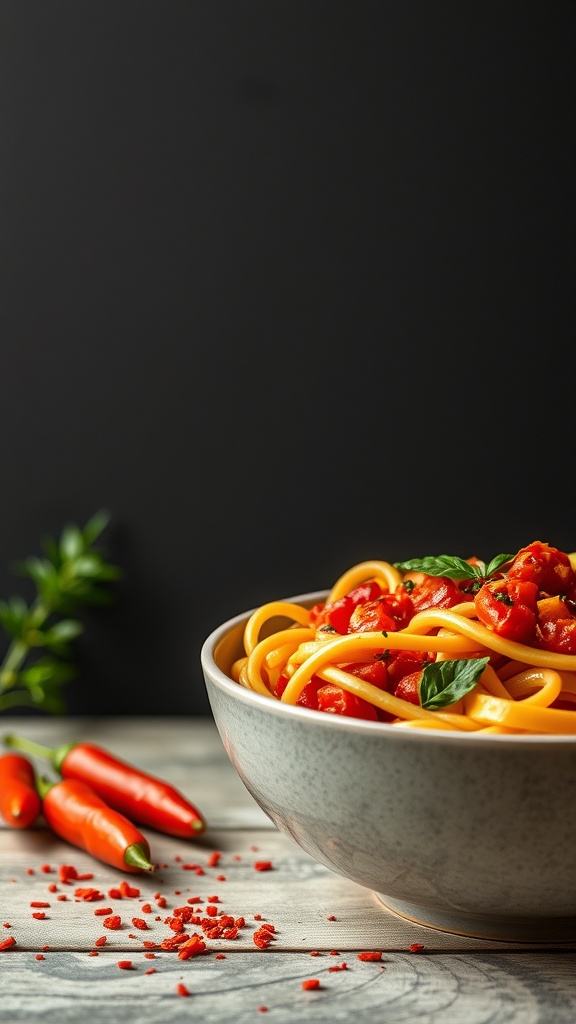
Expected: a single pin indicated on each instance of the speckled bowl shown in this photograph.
(467, 833)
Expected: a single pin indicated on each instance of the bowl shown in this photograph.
(468, 833)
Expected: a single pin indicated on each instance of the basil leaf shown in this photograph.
(441, 565)
(444, 682)
(496, 563)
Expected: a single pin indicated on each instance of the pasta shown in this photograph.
(433, 643)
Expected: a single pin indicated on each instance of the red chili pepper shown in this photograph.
(77, 814)
(19, 800)
(141, 797)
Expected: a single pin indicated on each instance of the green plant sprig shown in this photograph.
(72, 573)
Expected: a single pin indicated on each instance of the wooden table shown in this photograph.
(52, 973)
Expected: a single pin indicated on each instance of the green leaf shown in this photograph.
(441, 565)
(496, 563)
(71, 542)
(444, 682)
(95, 526)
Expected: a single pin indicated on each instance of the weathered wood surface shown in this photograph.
(452, 980)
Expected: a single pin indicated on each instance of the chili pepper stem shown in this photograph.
(55, 755)
(135, 857)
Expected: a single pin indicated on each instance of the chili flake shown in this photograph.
(125, 965)
(370, 955)
(112, 922)
(182, 990)
(311, 983)
(7, 943)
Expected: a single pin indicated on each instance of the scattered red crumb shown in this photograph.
(88, 894)
(334, 952)
(102, 911)
(263, 936)
(257, 917)
(39, 915)
(263, 865)
(213, 859)
(29, 871)
(112, 922)
(125, 965)
(370, 955)
(150, 956)
(40, 956)
(311, 983)
(192, 947)
(140, 923)
(93, 952)
(211, 910)
(128, 890)
(151, 970)
(220, 878)
(182, 990)
(314, 952)
(338, 967)
(220, 956)
(7, 924)
(213, 899)
(101, 941)
(262, 1009)
(146, 908)
(194, 899)
(62, 898)
(415, 947)
(7, 943)
(39, 903)
(160, 900)
(331, 917)
(52, 887)
(45, 868)
(67, 872)
(114, 893)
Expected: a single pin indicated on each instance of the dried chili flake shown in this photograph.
(220, 878)
(93, 952)
(211, 910)
(415, 947)
(140, 923)
(311, 983)
(240, 922)
(262, 938)
(334, 952)
(67, 873)
(150, 956)
(125, 965)
(161, 901)
(90, 895)
(214, 858)
(7, 924)
(262, 1009)
(62, 898)
(45, 868)
(29, 871)
(45, 949)
(53, 887)
(338, 967)
(182, 990)
(102, 911)
(220, 956)
(148, 944)
(194, 899)
(114, 893)
(39, 915)
(85, 876)
(128, 890)
(257, 917)
(146, 908)
(151, 970)
(113, 922)
(213, 899)
(370, 955)
(40, 956)
(7, 943)
(331, 917)
(192, 947)
(263, 865)
(314, 952)
(39, 903)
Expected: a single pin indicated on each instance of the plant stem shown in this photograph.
(18, 649)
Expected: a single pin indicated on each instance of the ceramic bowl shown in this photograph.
(473, 834)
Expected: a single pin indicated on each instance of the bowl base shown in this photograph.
(485, 926)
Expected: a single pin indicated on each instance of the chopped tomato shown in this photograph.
(372, 617)
(544, 565)
(509, 608)
(409, 687)
(337, 613)
(557, 635)
(403, 663)
(337, 701)
(435, 592)
(374, 672)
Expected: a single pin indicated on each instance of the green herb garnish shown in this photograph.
(73, 573)
(452, 566)
(444, 682)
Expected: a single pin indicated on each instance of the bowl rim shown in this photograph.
(228, 686)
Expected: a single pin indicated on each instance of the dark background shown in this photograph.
(284, 285)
